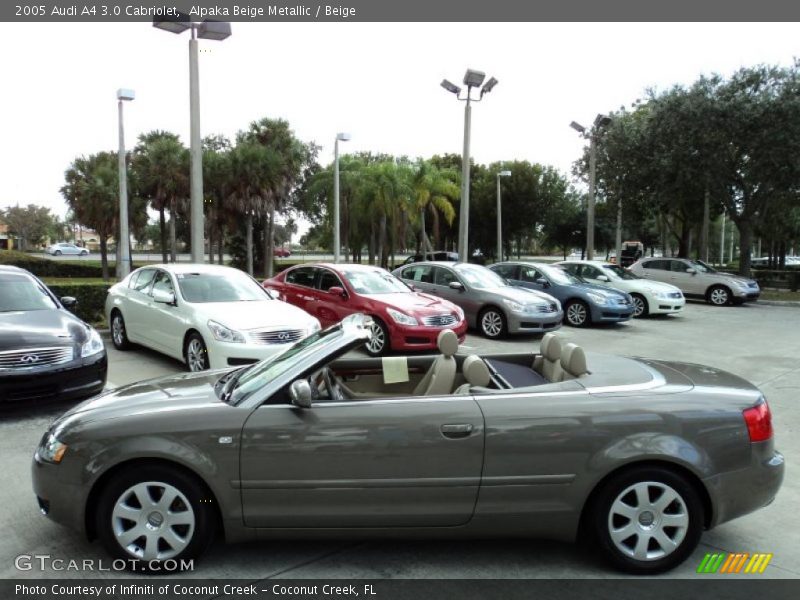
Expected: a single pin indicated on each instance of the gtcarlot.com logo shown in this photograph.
(734, 562)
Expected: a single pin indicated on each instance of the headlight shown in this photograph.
(597, 298)
(460, 313)
(94, 345)
(401, 318)
(225, 334)
(314, 327)
(51, 450)
(742, 285)
(515, 306)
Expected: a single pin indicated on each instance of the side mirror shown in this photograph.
(163, 297)
(300, 392)
(69, 302)
(337, 291)
(456, 285)
(543, 282)
(691, 271)
(603, 278)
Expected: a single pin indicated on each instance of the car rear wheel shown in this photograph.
(57, 253)
(379, 342)
(577, 313)
(119, 335)
(647, 520)
(196, 353)
(718, 295)
(640, 308)
(492, 323)
(154, 514)
(84, 253)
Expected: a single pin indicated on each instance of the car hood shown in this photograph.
(646, 285)
(172, 393)
(734, 278)
(597, 289)
(522, 295)
(39, 328)
(260, 314)
(415, 303)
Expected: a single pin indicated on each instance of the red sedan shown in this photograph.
(281, 252)
(402, 318)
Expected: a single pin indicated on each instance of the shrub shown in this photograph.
(42, 267)
(91, 299)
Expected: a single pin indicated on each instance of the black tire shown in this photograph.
(380, 343)
(492, 323)
(646, 523)
(57, 253)
(718, 295)
(577, 314)
(119, 334)
(85, 253)
(195, 505)
(640, 306)
(195, 353)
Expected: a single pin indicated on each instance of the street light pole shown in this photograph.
(337, 245)
(500, 216)
(472, 79)
(211, 30)
(123, 243)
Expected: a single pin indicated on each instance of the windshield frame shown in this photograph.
(704, 268)
(547, 271)
(39, 285)
(459, 270)
(618, 273)
(403, 287)
(179, 277)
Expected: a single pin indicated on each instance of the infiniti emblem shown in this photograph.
(29, 359)
(283, 336)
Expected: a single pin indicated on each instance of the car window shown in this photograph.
(615, 272)
(19, 292)
(529, 274)
(376, 281)
(506, 271)
(677, 266)
(143, 280)
(228, 286)
(661, 265)
(327, 280)
(421, 273)
(302, 276)
(442, 276)
(479, 277)
(163, 282)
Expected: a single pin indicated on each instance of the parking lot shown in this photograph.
(759, 342)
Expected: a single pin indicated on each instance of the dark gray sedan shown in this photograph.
(641, 455)
(489, 303)
(584, 303)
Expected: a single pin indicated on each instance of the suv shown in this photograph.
(696, 279)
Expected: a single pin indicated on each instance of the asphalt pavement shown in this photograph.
(758, 342)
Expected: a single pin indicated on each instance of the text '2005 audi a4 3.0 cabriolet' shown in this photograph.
(641, 455)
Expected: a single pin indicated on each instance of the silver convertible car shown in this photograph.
(639, 455)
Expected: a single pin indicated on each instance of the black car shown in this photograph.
(440, 255)
(46, 352)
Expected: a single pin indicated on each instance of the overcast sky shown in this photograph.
(379, 82)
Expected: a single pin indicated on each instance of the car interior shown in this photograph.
(449, 373)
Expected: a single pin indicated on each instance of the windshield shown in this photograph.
(19, 293)
(702, 267)
(480, 278)
(374, 282)
(617, 272)
(233, 286)
(260, 374)
(557, 275)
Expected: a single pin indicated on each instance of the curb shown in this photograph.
(792, 303)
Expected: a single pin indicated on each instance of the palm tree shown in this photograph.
(434, 190)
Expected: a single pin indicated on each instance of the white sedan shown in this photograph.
(649, 297)
(208, 316)
(66, 248)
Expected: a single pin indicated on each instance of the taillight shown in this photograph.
(759, 422)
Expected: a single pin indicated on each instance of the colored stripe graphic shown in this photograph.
(734, 562)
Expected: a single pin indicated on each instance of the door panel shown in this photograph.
(371, 463)
(135, 308)
(329, 309)
(165, 320)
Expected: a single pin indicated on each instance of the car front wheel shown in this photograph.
(119, 335)
(640, 308)
(492, 323)
(379, 341)
(196, 353)
(57, 253)
(153, 514)
(647, 520)
(719, 295)
(577, 314)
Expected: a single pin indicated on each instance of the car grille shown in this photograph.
(439, 320)
(284, 336)
(30, 358)
(753, 284)
(547, 308)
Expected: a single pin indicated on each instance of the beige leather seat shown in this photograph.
(573, 362)
(549, 366)
(441, 377)
(475, 372)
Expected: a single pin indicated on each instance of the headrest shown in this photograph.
(551, 347)
(573, 360)
(475, 371)
(447, 342)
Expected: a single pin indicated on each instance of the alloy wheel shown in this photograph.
(118, 330)
(378, 339)
(719, 296)
(576, 314)
(638, 306)
(648, 521)
(492, 323)
(196, 355)
(153, 521)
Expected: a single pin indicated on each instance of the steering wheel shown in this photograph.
(334, 391)
(325, 376)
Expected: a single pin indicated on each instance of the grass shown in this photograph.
(781, 295)
(75, 280)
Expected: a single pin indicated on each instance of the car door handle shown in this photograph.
(459, 430)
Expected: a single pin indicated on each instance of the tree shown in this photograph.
(31, 224)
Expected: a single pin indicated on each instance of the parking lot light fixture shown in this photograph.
(499, 216)
(472, 79)
(337, 245)
(209, 30)
(600, 122)
(124, 264)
